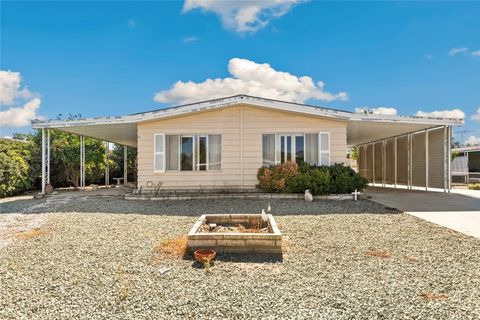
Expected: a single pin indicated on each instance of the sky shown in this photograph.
(115, 58)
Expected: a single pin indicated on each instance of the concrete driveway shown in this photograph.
(460, 212)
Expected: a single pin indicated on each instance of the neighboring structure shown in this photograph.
(221, 143)
(466, 165)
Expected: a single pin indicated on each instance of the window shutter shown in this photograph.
(214, 152)
(159, 152)
(324, 148)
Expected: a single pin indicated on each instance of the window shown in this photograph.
(313, 148)
(187, 152)
(299, 149)
(201, 147)
(268, 149)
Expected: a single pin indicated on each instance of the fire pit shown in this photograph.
(235, 233)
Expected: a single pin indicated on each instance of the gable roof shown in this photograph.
(128, 123)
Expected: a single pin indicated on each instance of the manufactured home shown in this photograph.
(222, 143)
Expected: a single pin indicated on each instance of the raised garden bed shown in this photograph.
(235, 233)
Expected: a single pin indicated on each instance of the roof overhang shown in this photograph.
(361, 128)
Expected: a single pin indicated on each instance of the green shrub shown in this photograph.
(474, 186)
(17, 169)
(320, 180)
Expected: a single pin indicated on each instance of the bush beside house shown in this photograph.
(320, 180)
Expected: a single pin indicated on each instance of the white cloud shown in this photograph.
(189, 39)
(245, 15)
(389, 111)
(455, 113)
(472, 141)
(22, 104)
(455, 51)
(10, 88)
(428, 56)
(251, 78)
(21, 116)
(476, 116)
(476, 53)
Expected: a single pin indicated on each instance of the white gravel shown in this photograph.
(104, 266)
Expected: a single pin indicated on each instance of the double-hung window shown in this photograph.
(313, 148)
(177, 152)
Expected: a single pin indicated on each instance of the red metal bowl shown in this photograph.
(204, 255)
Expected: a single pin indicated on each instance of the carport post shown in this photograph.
(373, 161)
(125, 158)
(449, 156)
(445, 159)
(426, 160)
(43, 161)
(107, 167)
(48, 156)
(410, 151)
(384, 162)
(395, 154)
(82, 162)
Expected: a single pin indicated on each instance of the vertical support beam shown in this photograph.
(48, 156)
(43, 161)
(426, 160)
(373, 161)
(241, 147)
(409, 161)
(449, 155)
(384, 163)
(82, 162)
(445, 158)
(125, 164)
(107, 167)
(395, 164)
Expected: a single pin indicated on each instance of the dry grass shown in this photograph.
(430, 296)
(176, 247)
(35, 233)
(378, 253)
(411, 258)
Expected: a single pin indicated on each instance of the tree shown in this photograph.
(65, 159)
(18, 171)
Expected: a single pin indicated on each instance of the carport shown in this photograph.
(415, 159)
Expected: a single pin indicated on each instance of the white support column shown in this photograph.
(48, 156)
(395, 155)
(384, 163)
(82, 162)
(426, 160)
(107, 167)
(409, 161)
(125, 164)
(373, 161)
(445, 158)
(449, 157)
(43, 161)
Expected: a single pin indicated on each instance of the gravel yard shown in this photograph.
(104, 265)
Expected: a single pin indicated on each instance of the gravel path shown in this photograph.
(104, 266)
(193, 207)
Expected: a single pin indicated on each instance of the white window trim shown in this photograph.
(196, 152)
(155, 153)
(320, 151)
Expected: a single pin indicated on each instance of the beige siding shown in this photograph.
(418, 159)
(228, 123)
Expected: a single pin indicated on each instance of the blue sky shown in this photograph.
(111, 58)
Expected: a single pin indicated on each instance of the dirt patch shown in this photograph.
(430, 296)
(35, 233)
(170, 248)
(378, 253)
